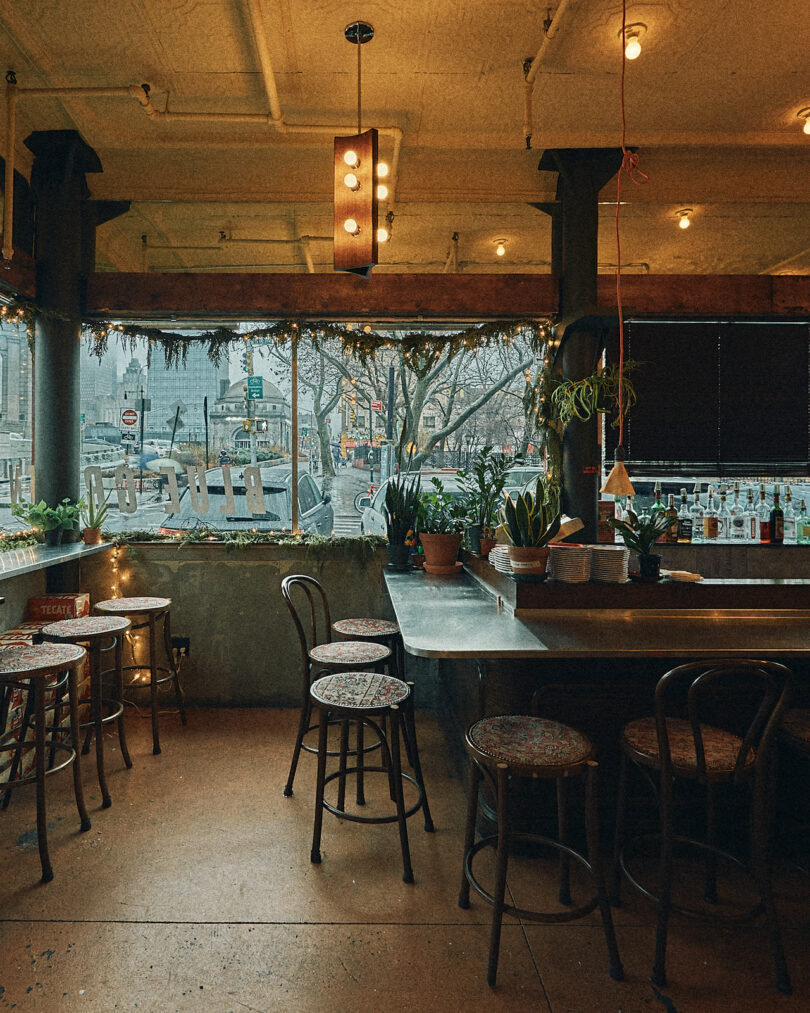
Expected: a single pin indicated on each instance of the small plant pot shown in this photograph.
(53, 537)
(487, 545)
(440, 550)
(92, 536)
(417, 560)
(398, 557)
(649, 567)
(528, 559)
(474, 537)
(70, 535)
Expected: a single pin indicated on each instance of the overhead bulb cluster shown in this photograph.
(352, 182)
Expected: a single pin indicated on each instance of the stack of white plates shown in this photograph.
(609, 563)
(570, 563)
(499, 558)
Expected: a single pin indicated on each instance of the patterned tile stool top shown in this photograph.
(720, 747)
(42, 658)
(796, 725)
(133, 606)
(366, 627)
(359, 690)
(349, 652)
(521, 740)
(87, 626)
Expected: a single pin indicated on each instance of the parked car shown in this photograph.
(520, 476)
(314, 510)
(370, 506)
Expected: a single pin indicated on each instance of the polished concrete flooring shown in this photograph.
(195, 892)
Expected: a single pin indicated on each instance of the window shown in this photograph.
(307, 494)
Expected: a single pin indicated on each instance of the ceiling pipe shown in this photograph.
(775, 268)
(451, 264)
(530, 69)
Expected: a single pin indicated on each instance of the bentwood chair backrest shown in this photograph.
(309, 608)
(743, 696)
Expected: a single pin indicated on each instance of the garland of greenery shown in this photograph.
(17, 541)
(319, 547)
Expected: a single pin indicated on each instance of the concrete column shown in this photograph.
(61, 159)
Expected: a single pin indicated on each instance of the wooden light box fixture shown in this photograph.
(355, 239)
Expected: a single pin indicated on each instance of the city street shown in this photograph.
(344, 487)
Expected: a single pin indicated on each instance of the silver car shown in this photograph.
(370, 505)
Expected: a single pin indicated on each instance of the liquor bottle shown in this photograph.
(696, 510)
(658, 508)
(737, 517)
(803, 525)
(671, 533)
(764, 517)
(790, 518)
(777, 519)
(684, 520)
(710, 520)
(751, 519)
(723, 519)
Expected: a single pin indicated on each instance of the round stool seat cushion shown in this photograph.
(719, 746)
(368, 691)
(132, 606)
(349, 652)
(86, 627)
(366, 627)
(796, 725)
(530, 742)
(40, 658)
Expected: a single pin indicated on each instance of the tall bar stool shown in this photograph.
(91, 632)
(35, 669)
(516, 745)
(150, 611)
(320, 654)
(714, 724)
(368, 698)
(381, 631)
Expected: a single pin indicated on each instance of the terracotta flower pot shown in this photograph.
(92, 536)
(487, 545)
(528, 559)
(440, 550)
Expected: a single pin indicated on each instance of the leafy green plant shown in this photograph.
(641, 533)
(401, 507)
(440, 513)
(532, 519)
(62, 517)
(483, 485)
(581, 399)
(93, 516)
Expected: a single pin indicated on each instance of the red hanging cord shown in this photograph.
(631, 167)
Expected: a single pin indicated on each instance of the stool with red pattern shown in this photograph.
(516, 745)
(367, 698)
(37, 668)
(150, 611)
(309, 608)
(92, 633)
(715, 724)
(382, 631)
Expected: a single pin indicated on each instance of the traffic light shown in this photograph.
(246, 425)
(260, 425)
(352, 415)
(247, 361)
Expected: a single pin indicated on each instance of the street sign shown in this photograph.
(376, 406)
(128, 437)
(83, 418)
(129, 418)
(255, 388)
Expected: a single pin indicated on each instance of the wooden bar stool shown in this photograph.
(150, 611)
(714, 724)
(35, 669)
(91, 632)
(320, 654)
(516, 745)
(367, 698)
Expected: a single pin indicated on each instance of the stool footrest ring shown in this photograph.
(342, 814)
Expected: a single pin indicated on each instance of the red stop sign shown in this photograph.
(129, 417)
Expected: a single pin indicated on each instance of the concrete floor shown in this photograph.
(195, 892)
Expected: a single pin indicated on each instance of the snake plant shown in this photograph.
(641, 533)
(532, 519)
(402, 497)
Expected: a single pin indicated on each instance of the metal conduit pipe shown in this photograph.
(268, 76)
(560, 14)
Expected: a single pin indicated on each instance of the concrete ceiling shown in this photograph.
(711, 105)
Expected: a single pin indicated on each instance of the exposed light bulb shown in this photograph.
(351, 226)
(382, 191)
(382, 170)
(382, 235)
(806, 127)
(684, 218)
(684, 223)
(351, 159)
(500, 249)
(351, 181)
(632, 49)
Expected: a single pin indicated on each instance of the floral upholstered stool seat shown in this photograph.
(513, 746)
(96, 634)
(383, 631)
(149, 612)
(372, 700)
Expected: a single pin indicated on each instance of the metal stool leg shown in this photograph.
(595, 859)
(344, 749)
(410, 725)
(153, 685)
(659, 975)
(500, 875)
(407, 874)
(360, 797)
(178, 689)
(96, 709)
(42, 819)
(303, 725)
(710, 886)
(315, 853)
(73, 696)
(469, 832)
(564, 894)
(28, 713)
(119, 699)
(618, 839)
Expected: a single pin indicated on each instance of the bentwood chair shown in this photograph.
(715, 724)
(320, 655)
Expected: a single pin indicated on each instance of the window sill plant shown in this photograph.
(483, 486)
(51, 522)
(640, 535)
(440, 523)
(530, 522)
(93, 517)
(402, 495)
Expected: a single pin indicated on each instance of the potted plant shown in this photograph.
(440, 522)
(530, 522)
(53, 521)
(93, 518)
(640, 535)
(483, 486)
(400, 509)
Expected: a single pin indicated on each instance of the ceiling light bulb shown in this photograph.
(500, 249)
(382, 191)
(806, 127)
(632, 49)
(684, 218)
(351, 159)
(382, 235)
(382, 170)
(351, 226)
(351, 181)
(684, 223)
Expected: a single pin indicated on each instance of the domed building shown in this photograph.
(230, 411)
